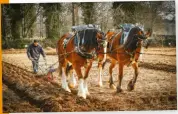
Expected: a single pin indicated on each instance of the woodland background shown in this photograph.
(22, 23)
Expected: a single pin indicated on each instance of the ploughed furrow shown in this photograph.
(154, 66)
(13, 101)
(51, 97)
(160, 54)
(158, 66)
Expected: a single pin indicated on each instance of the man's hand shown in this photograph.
(31, 59)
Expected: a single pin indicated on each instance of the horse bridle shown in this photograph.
(139, 37)
(102, 42)
(144, 41)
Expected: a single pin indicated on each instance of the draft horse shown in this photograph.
(78, 59)
(126, 54)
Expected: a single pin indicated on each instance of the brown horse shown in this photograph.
(70, 56)
(127, 54)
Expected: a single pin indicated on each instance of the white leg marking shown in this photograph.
(81, 91)
(100, 82)
(86, 87)
(73, 81)
(105, 51)
(64, 81)
(141, 55)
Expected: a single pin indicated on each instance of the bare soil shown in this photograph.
(155, 88)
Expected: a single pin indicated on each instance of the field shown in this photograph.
(155, 89)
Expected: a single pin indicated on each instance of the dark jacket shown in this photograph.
(35, 51)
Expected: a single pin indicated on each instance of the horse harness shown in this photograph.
(112, 38)
(66, 40)
(78, 48)
(131, 54)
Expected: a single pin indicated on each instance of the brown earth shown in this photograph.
(155, 88)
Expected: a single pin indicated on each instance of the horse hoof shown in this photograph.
(87, 93)
(119, 90)
(72, 85)
(100, 84)
(66, 89)
(82, 95)
(112, 86)
(130, 86)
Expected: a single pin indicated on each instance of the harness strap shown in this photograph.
(66, 40)
(65, 45)
(132, 57)
(78, 49)
(112, 38)
(84, 54)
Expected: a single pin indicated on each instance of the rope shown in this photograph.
(48, 68)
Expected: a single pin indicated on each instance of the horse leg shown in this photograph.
(72, 81)
(64, 79)
(120, 76)
(100, 82)
(87, 69)
(111, 82)
(81, 90)
(132, 82)
(101, 64)
(141, 55)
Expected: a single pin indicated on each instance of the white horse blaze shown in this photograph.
(141, 55)
(81, 90)
(64, 81)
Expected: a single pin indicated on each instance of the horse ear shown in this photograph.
(148, 33)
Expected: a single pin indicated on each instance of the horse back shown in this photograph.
(115, 41)
(63, 41)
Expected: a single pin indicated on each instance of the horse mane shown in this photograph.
(131, 41)
(90, 40)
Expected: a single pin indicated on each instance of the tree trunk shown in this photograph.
(76, 15)
(73, 14)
